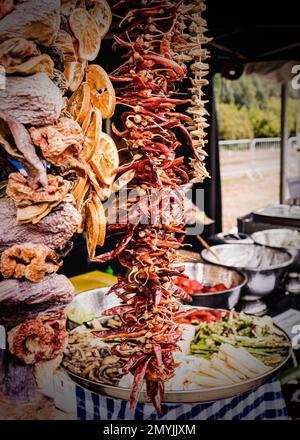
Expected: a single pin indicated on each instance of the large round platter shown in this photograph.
(199, 395)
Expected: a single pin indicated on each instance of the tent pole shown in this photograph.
(284, 141)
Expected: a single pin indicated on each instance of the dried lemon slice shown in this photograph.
(74, 74)
(105, 159)
(92, 137)
(80, 102)
(86, 32)
(102, 91)
(101, 13)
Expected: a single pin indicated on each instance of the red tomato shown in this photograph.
(198, 315)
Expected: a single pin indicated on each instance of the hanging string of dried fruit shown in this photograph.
(153, 34)
(45, 53)
(194, 52)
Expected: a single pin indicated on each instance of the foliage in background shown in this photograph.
(250, 107)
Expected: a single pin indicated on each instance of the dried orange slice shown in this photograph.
(74, 74)
(102, 91)
(105, 159)
(92, 137)
(123, 180)
(106, 191)
(79, 103)
(86, 32)
(87, 120)
(101, 219)
(101, 13)
(79, 191)
(92, 228)
(103, 191)
(80, 228)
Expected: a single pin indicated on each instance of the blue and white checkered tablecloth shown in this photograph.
(266, 402)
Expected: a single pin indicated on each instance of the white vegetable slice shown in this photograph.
(207, 381)
(211, 371)
(254, 364)
(239, 367)
(220, 365)
(222, 356)
(244, 358)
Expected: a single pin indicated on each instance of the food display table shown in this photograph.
(266, 402)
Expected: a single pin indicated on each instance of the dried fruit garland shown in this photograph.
(152, 34)
(70, 139)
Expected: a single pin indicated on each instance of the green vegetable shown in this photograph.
(257, 335)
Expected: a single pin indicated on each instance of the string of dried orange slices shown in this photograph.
(86, 22)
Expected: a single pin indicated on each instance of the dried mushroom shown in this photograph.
(18, 55)
(29, 260)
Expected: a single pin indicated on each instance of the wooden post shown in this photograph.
(284, 141)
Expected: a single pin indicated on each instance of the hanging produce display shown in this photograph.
(61, 163)
(157, 39)
(51, 113)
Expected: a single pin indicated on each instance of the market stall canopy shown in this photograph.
(252, 32)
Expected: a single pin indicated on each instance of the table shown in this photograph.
(266, 402)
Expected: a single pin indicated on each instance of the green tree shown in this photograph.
(234, 123)
(251, 106)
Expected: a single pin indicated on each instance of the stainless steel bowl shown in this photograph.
(89, 305)
(263, 266)
(212, 274)
(283, 239)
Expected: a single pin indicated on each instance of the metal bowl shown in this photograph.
(238, 238)
(279, 239)
(90, 304)
(263, 266)
(212, 274)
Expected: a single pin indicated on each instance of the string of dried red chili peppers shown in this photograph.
(154, 35)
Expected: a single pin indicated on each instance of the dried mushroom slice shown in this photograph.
(18, 189)
(41, 63)
(60, 143)
(18, 55)
(29, 260)
(65, 42)
(7, 143)
(27, 213)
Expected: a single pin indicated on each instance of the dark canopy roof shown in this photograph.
(254, 30)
